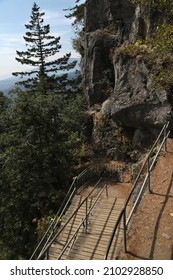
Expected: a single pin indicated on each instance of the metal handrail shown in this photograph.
(147, 177)
(73, 238)
(144, 164)
(57, 218)
(113, 234)
(50, 230)
(73, 214)
(86, 175)
(147, 162)
(145, 180)
(82, 222)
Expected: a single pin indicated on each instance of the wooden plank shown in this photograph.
(102, 220)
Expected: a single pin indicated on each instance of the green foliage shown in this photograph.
(41, 50)
(164, 6)
(77, 12)
(160, 55)
(5, 252)
(157, 51)
(3, 102)
(41, 144)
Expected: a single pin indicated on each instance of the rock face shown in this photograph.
(118, 87)
(134, 102)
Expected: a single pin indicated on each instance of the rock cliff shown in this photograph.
(122, 103)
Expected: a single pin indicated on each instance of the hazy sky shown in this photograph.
(14, 14)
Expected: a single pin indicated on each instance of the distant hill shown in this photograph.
(9, 83)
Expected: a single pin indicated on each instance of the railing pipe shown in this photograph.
(83, 177)
(47, 258)
(55, 225)
(106, 190)
(148, 170)
(143, 165)
(165, 135)
(147, 177)
(137, 199)
(113, 233)
(71, 239)
(125, 235)
(84, 221)
(62, 207)
(88, 172)
(50, 230)
(61, 229)
(74, 213)
(162, 143)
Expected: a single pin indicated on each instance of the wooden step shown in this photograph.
(93, 244)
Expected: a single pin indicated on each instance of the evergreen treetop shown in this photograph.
(41, 52)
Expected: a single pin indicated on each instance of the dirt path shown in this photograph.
(150, 233)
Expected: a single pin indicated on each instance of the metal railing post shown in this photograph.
(148, 170)
(47, 254)
(106, 190)
(86, 215)
(125, 235)
(165, 137)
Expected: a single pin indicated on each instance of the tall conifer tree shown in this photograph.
(41, 54)
(77, 13)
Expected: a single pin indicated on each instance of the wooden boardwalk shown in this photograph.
(93, 243)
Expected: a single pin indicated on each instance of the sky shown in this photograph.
(14, 14)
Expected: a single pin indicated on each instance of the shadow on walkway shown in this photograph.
(159, 218)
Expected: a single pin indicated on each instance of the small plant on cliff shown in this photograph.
(164, 6)
(157, 51)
